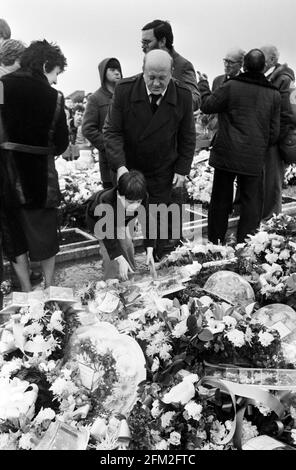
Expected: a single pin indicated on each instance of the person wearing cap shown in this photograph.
(96, 110)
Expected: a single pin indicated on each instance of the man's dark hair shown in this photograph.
(254, 61)
(132, 185)
(5, 31)
(43, 52)
(161, 29)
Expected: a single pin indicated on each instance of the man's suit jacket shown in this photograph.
(183, 71)
(159, 144)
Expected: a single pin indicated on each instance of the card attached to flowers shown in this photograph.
(61, 436)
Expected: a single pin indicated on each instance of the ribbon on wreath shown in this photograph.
(241, 396)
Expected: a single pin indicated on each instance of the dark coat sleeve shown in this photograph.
(275, 121)
(61, 133)
(113, 132)
(189, 78)
(215, 102)
(91, 124)
(186, 138)
(283, 84)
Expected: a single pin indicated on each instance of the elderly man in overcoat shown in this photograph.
(150, 127)
(248, 108)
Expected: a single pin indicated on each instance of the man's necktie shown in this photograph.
(154, 99)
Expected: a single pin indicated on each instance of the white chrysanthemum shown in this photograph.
(180, 329)
(36, 309)
(164, 352)
(236, 337)
(166, 418)
(265, 338)
(293, 435)
(194, 410)
(151, 350)
(61, 386)
(45, 414)
(9, 367)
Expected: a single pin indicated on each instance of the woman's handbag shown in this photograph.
(287, 147)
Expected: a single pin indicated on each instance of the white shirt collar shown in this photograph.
(269, 71)
(161, 95)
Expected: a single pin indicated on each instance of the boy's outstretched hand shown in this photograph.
(123, 267)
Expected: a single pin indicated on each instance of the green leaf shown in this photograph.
(205, 335)
(192, 325)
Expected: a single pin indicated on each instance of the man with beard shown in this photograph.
(159, 35)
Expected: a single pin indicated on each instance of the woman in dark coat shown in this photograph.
(35, 130)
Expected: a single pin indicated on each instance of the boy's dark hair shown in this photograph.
(78, 107)
(254, 61)
(161, 29)
(5, 31)
(132, 185)
(43, 52)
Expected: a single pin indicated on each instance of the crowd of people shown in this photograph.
(144, 131)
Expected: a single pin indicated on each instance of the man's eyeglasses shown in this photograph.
(230, 62)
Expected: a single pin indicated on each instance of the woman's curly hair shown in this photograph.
(42, 52)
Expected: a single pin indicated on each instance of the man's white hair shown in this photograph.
(270, 50)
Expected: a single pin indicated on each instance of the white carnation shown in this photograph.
(265, 338)
(236, 337)
(194, 410)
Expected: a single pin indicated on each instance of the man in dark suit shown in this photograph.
(158, 35)
(150, 127)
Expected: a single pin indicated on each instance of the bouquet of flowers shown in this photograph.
(269, 258)
(191, 251)
(200, 181)
(76, 188)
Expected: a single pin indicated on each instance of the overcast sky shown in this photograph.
(90, 30)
